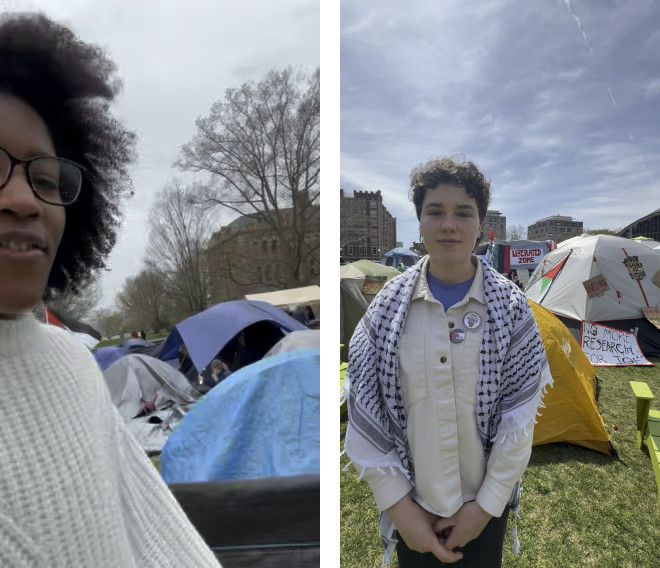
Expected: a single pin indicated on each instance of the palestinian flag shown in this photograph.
(549, 277)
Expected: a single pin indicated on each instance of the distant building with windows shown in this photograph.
(496, 222)
(648, 226)
(419, 248)
(248, 256)
(556, 228)
(367, 229)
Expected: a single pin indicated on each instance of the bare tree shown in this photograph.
(260, 148)
(516, 233)
(600, 232)
(109, 322)
(143, 299)
(77, 306)
(179, 231)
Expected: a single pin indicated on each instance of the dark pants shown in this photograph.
(483, 552)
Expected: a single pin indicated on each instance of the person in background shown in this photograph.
(75, 486)
(215, 373)
(446, 372)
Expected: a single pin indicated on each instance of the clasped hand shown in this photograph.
(425, 532)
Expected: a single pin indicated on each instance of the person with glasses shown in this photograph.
(76, 488)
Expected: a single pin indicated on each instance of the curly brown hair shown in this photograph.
(452, 170)
(71, 84)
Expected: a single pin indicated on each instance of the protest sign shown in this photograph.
(653, 315)
(373, 284)
(605, 346)
(524, 257)
(596, 286)
(656, 279)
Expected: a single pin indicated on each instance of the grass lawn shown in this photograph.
(578, 508)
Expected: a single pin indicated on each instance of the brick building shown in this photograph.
(556, 227)
(248, 256)
(367, 229)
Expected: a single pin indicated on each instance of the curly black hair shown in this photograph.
(71, 84)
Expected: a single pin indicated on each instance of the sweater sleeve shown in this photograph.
(160, 532)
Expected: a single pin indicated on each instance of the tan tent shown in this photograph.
(571, 414)
(305, 296)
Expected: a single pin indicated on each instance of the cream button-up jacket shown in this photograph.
(439, 385)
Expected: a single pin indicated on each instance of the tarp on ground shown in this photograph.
(571, 413)
(603, 279)
(262, 421)
(207, 333)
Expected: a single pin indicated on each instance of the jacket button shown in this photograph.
(443, 359)
(451, 324)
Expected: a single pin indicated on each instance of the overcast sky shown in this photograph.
(557, 102)
(175, 59)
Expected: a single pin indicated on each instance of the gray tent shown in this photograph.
(150, 395)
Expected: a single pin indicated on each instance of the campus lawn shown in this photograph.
(579, 507)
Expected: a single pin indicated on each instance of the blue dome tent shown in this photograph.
(244, 329)
(262, 421)
(396, 255)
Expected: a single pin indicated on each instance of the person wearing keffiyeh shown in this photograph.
(446, 374)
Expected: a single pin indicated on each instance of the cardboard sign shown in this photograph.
(656, 279)
(373, 284)
(653, 315)
(605, 346)
(596, 286)
(635, 268)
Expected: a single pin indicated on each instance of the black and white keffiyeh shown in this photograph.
(513, 373)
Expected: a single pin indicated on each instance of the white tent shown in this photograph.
(628, 268)
(601, 278)
(647, 242)
(139, 383)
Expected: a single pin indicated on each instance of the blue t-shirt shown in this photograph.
(447, 294)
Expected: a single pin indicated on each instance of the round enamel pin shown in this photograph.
(472, 321)
(456, 335)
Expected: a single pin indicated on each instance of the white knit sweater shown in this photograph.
(76, 490)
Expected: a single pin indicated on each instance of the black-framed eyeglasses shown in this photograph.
(53, 180)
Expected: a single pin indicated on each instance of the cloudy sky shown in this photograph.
(557, 102)
(175, 59)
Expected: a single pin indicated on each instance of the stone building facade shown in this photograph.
(248, 256)
(367, 229)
